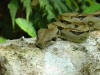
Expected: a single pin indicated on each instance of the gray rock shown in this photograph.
(21, 57)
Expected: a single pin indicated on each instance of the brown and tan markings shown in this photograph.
(74, 27)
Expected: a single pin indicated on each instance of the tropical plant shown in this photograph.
(38, 13)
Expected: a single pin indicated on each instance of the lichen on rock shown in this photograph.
(21, 57)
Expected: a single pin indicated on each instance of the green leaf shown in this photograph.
(76, 5)
(52, 6)
(93, 8)
(27, 5)
(13, 6)
(26, 26)
(90, 2)
(2, 39)
(60, 6)
(48, 9)
(69, 4)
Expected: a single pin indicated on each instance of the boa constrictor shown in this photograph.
(74, 27)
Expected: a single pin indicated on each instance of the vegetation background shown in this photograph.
(24, 17)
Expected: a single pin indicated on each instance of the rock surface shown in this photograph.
(21, 57)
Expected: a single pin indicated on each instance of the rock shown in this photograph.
(21, 57)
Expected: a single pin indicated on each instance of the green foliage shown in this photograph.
(2, 39)
(46, 11)
(26, 4)
(13, 6)
(26, 26)
(52, 6)
(93, 8)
